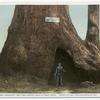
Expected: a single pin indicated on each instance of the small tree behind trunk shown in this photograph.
(93, 24)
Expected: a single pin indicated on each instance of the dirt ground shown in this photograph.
(27, 84)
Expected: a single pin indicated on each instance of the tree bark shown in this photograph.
(32, 44)
(93, 24)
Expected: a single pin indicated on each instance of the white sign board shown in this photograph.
(52, 19)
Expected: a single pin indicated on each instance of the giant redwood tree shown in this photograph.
(35, 44)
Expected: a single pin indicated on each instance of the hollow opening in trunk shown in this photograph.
(64, 58)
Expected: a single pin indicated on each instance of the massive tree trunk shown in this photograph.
(35, 45)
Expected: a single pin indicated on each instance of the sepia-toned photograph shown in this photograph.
(49, 49)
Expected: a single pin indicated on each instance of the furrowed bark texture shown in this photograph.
(93, 24)
(35, 46)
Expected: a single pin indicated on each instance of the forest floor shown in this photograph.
(24, 84)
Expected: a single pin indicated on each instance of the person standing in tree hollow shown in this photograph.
(58, 75)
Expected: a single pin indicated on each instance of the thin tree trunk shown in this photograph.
(93, 24)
